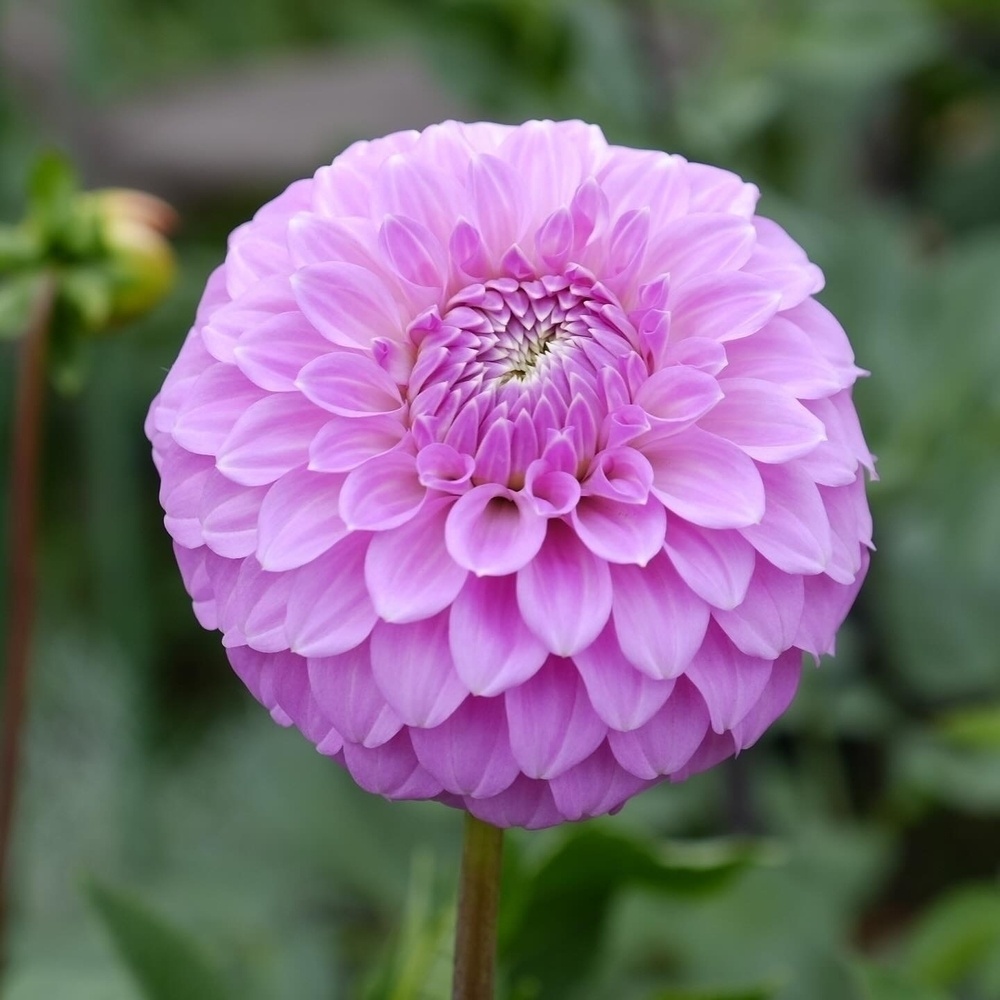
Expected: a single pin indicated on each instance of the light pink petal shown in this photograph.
(700, 243)
(660, 623)
(783, 264)
(494, 186)
(249, 665)
(224, 326)
(620, 532)
(228, 513)
(622, 696)
(595, 787)
(315, 240)
(383, 493)
(413, 668)
(722, 307)
(783, 354)
(295, 698)
(299, 519)
(766, 623)
(492, 531)
(197, 582)
(270, 438)
(344, 443)
(348, 304)
(850, 527)
(716, 190)
(414, 252)
(527, 803)
(257, 610)
(403, 186)
(706, 480)
(714, 749)
(794, 533)
(390, 769)
(329, 611)
(765, 421)
(211, 407)
(408, 570)
(825, 331)
(552, 723)
(351, 385)
(271, 354)
(564, 593)
(775, 698)
(184, 477)
(674, 398)
(729, 681)
(826, 607)
(492, 647)
(469, 753)
(349, 697)
(716, 565)
(441, 467)
(622, 474)
(667, 741)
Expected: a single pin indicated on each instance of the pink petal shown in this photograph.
(783, 264)
(794, 532)
(494, 190)
(492, 531)
(329, 611)
(383, 493)
(551, 721)
(229, 513)
(390, 769)
(212, 405)
(348, 304)
(706, 480)
(716, 565)
(349, 697)
(408, 571)
(351, 385)
(527, 803)
(776, 697)
(620, 532)
(729, 681)
(256, 613)
(766, 623)
(492, 647)
(595, 787)
(413, 668)
(299, 519)
(826, 607)
(469, 753)
(767, 422)
(660, 623)
(184, 477)
(700, 243)
(271, 354)
(714, 749)
(723, 306)
(414, 252)
(270, 438)
(667, 741)
(313, 239)
(564, 593)
(344, 443)
(621, 695)
(674, 398)
(441, 467)
(224, 326)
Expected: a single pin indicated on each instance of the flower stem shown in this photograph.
(24, 475)
(478, 899)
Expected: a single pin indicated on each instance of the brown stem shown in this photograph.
(478, 899)
(24, 475)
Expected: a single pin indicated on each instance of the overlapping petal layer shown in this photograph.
(517, 469)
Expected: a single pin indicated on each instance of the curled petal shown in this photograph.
(492, 531)
(620, 532)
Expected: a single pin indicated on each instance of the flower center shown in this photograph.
(507, 353)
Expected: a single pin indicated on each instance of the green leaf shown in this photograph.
(752, 993)
(17, 299)
(555, 933)
(959, 933)
(19, 246)
(886, 984)
(166, 963)
(978, 728)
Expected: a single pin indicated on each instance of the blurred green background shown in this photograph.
(174, 843)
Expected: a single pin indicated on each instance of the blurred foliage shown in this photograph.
(869, 818)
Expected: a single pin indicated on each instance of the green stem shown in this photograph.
(478, 899)
(24, 475)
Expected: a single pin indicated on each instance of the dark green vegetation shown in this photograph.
(167, 824)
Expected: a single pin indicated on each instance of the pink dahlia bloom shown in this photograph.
(518, 470)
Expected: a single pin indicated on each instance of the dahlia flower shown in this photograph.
(517, 469)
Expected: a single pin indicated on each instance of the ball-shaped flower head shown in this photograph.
(517, 469)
